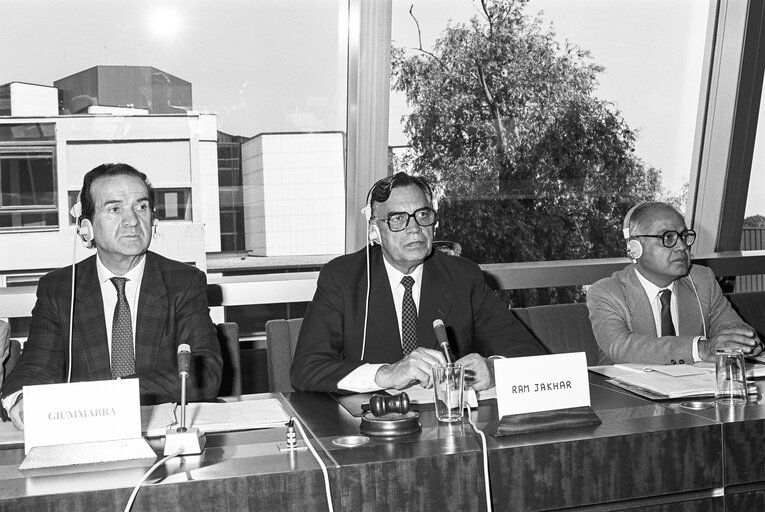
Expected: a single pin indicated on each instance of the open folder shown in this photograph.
(662, 381)
(214, 416)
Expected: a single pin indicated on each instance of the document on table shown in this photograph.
(662, 381)
(214, 416)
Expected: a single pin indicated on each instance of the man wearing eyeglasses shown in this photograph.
(370, 324)
(661, 309)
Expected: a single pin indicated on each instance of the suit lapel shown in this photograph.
(639, 305)
(90, 345)
(382, 340)
(152, 315)
(689, 321)
(435, 302)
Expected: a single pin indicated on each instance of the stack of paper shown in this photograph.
(215, 417)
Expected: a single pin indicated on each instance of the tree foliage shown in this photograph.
(528, 163)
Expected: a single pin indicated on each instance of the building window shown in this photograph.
(173, 204)
(27, 189)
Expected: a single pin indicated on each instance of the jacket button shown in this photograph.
(682, 361)
(672, 361)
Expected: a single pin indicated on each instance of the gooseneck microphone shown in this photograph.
(184, 362)
(443, 340)
(188, 440)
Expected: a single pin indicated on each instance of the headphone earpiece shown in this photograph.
(634, 249)
(367, 211)
(76, 210)
(374, 235)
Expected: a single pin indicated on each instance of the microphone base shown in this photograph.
(191, 442)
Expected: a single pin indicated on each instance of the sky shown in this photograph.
(279, 65)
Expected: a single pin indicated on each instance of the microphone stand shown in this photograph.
(191, 441)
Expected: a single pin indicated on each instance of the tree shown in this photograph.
(528, 163)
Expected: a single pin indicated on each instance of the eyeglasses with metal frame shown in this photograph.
(669, 238)
(398, 221)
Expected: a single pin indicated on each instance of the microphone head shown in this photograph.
(184, 358)
(438, 327)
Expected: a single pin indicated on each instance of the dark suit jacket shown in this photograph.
(623, 323)
(453, 289)
(172, 309)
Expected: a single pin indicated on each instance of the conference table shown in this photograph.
(645, 455)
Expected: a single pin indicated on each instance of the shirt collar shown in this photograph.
(395, 276)
(134, 274)
(651, 289)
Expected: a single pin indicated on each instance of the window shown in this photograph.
(543, 122)
(27, 189)
(173, 204)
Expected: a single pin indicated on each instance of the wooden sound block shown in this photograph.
(390, 425)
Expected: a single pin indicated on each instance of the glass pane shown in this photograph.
(173, 204)
(26, 180)
(542, 129)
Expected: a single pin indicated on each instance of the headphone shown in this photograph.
(373, 232)
(634, 247)
(84, 230)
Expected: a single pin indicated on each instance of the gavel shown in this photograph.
(384, 404)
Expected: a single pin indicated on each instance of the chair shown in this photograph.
(281, 340)
(228, 336)
(751, 308)
(563, 328)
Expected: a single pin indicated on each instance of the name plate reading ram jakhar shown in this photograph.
(541, 383)
(81, 412)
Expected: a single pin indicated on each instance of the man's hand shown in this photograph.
(414, 368)
(479, 375)
(17, 414)
(741, 336)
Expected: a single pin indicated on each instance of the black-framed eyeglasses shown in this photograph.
(669, 238)
(398, 221)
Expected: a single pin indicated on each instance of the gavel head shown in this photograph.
(380, 405)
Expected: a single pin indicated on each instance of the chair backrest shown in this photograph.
(281, 340)
(750, 306)
(228, 336)
(563, 328)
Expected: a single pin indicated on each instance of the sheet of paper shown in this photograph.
(672, 387)
(9, 434)
(217, 417)
(674, 370)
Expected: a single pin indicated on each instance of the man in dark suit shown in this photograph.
(132, 308)
(661, 309)
(370, 326)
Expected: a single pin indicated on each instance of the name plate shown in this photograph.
(541, 383)
(81, 412)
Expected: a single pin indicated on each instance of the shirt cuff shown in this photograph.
(10, 400)
(361, 380)
(695, 348)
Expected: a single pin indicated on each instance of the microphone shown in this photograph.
(184, 360)
(443, 340)
(189, 441)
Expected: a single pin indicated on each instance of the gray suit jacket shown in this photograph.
(624, 326)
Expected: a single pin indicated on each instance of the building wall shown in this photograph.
(174, 151)
(294, 193)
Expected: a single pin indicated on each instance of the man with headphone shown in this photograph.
(370, 324)
(125, 310)
(661, 309)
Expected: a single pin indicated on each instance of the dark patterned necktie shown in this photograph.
(123, 356)
(408, 317)
(667, 327)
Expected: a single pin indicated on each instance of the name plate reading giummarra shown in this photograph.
(81, 412)
(541, 383)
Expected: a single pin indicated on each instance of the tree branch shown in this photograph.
(419, 37)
